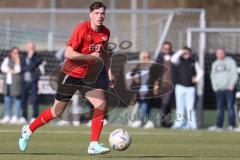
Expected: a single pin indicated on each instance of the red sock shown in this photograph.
(97, 124)
(43, 118)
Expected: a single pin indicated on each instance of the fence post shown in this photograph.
(200, 87)
(7, 38)
(52, 24)
(134, 25)
(50, 41)
(145, 24)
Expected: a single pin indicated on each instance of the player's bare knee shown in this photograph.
(59, 107)
(101, 105)
(59, 111)
(53, 112)
(56, 112)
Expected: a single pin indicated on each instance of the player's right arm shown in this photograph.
(74, 42)
(73, 55)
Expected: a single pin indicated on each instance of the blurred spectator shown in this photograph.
(224, 78)
(30, 75)
(238, 112)
(188, 74)
(143, 81)
(238, 102)
(167, 99)
(12, 86)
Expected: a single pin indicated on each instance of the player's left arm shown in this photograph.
(107, 60)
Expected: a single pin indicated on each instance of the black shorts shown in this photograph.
(68, 85)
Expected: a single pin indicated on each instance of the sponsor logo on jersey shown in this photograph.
(95, 47)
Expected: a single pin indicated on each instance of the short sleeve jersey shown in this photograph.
(85, 40)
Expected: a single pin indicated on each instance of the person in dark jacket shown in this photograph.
(188, 74)
(12, 86)
(30, 75)
(166, 100)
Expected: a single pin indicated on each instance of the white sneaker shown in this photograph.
(5, 120)
(215, 128)
(130, 123)
(22, 120)
(136, 124)
(24, 138)
(32, 119)
(63, 123)
(14, 120)
(97, 149)
(230, 128)
(237, 129)
(76, 123)
(178, 127)
(149, 125)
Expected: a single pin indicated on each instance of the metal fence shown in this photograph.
(51, 28)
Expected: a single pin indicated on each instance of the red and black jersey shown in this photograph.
(85, 40)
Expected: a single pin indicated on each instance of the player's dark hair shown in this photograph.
(167, 43)
(188, 49)
(97, 5)
(221, 48)
(14, 48)
(11, 50)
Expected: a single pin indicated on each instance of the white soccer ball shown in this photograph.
(119, 139)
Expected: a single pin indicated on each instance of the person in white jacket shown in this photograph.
(187, 74)
(12, 86)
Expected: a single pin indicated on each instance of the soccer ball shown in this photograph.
(119, 139)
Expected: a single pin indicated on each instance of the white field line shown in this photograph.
(105, 133)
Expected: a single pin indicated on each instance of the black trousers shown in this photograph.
(167, 102)
(27, 89)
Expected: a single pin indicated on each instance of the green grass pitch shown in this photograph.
(70, 143)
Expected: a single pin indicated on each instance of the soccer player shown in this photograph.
(85, 48)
